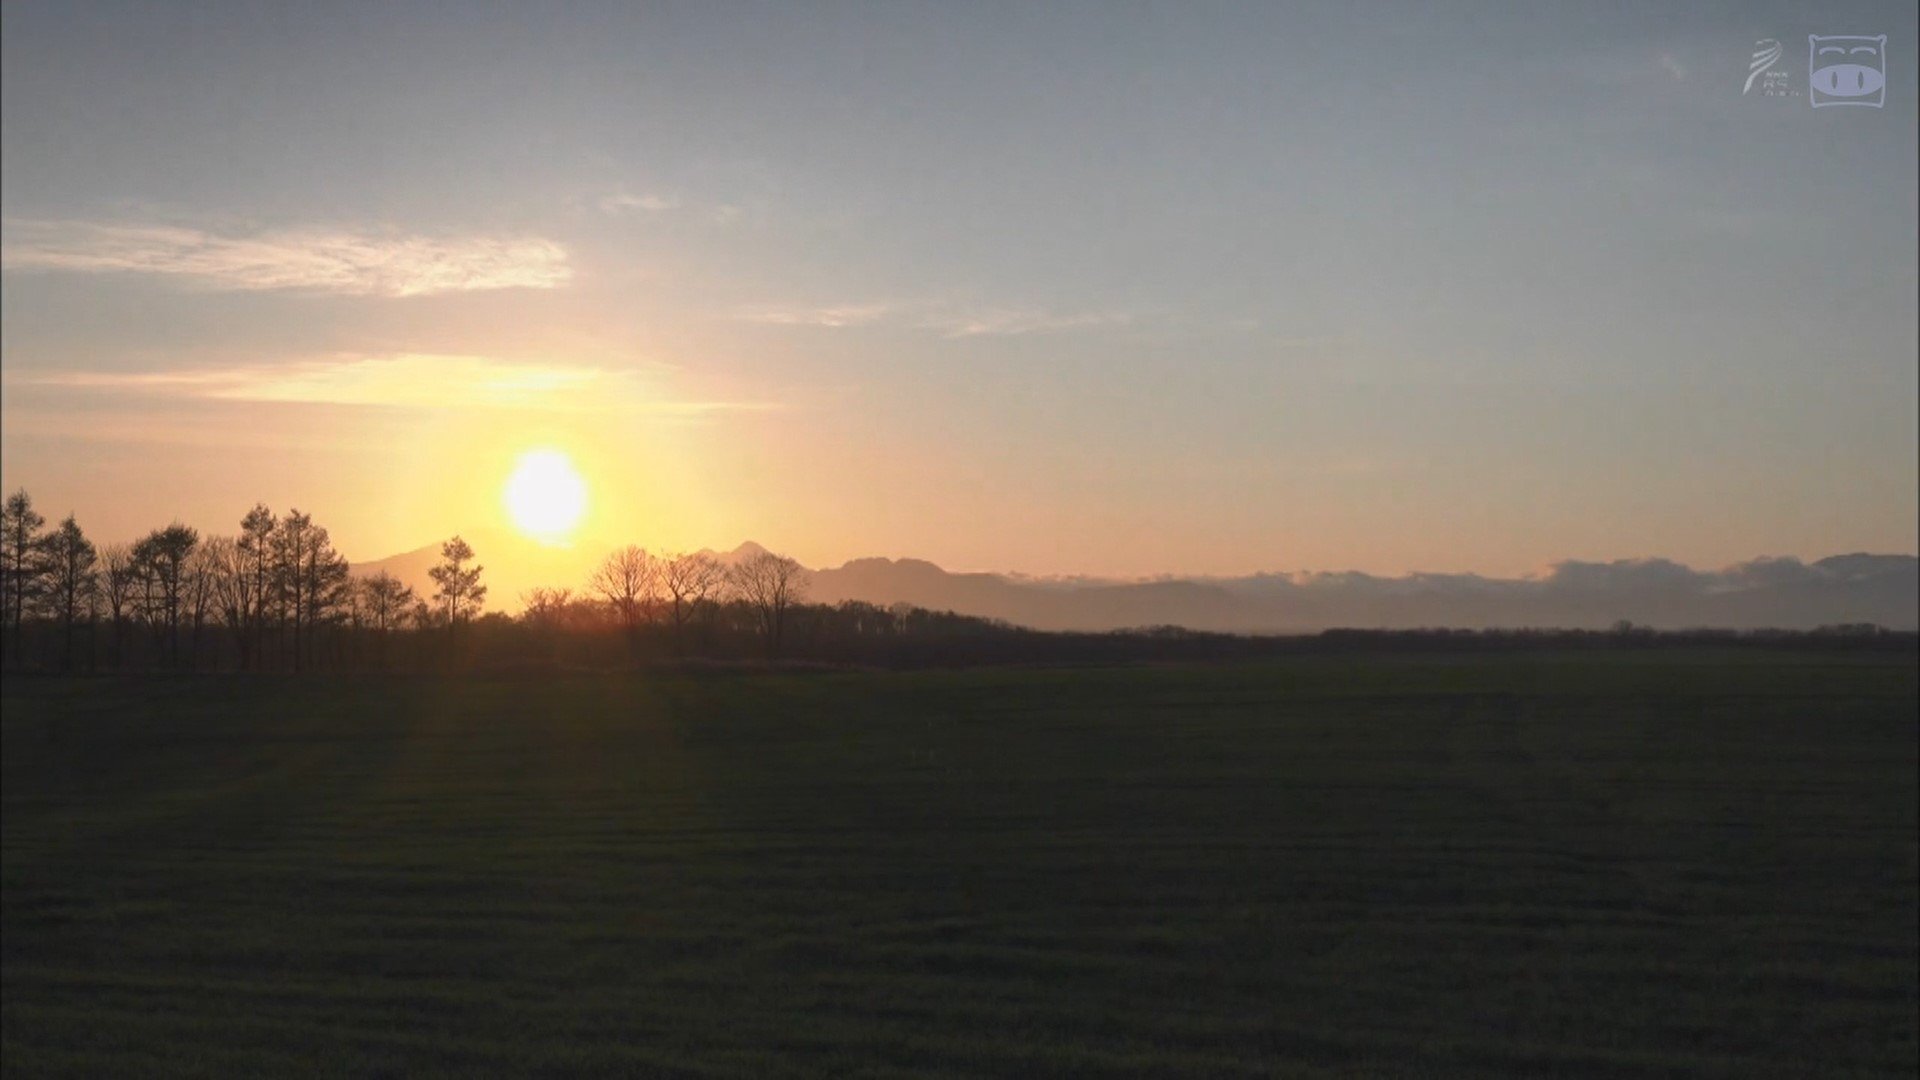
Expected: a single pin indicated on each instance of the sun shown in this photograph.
(546, 496)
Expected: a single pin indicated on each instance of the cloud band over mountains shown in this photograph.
(1783, 593)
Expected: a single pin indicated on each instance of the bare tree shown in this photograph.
(72, 581)
(770, 584)
(457, 587)
(231, 584)
(629, 580)
(200, 597)
(119, 585)
(420, 616)
(385, 601)
(689, 581)
(546, 608)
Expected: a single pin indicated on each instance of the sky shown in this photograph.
(1118, 289)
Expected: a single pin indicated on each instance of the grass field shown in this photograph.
(1609, 864)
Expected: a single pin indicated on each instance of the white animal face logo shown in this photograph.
(1847, 70)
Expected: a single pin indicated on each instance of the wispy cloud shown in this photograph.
(358, 263)
(1003, 322)
(622, 202)
(946, 319)
(832, 316)
(410, 380)
(1673, 66)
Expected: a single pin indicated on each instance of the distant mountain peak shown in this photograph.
(748, 549)
(879, 563)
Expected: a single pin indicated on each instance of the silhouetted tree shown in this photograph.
(72, 579)
(457, 587)
(119, 585)
(386, 601)
(200, 598)
(312, 578)
(546, 609)
(770, 584)
(253, 598)
(628, 580)
(392, 618)
(161, 558)
(688, 581)
(22, 563)
(289, 542)
(230, 588)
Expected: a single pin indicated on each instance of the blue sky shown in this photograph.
(1057, 288)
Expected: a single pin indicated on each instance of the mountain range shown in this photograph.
(1768, 592)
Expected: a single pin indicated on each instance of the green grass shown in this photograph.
(1610, 864)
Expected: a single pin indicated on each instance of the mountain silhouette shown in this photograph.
(1784, 593)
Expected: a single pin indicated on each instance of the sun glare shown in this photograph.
(546, 496)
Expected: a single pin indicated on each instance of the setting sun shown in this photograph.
(546, 496)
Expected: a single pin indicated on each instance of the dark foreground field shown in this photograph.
(1611, 865)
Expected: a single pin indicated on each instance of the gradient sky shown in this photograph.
(1101, 288)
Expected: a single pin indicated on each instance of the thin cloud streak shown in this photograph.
(354, 263)
(1008, 323)
(116, 427)
(947, 320)
(831, 317)
(622, 202)
(407, 381)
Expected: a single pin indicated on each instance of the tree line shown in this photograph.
(275, 596)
